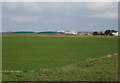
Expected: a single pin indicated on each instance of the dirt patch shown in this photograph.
(10, 71)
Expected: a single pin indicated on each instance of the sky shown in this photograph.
(52, 16)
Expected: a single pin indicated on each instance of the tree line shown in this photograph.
(106, 32)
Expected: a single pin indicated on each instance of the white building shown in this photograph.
(61, 31)
(71, 32)
(115, 33)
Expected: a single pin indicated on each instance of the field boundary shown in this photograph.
(54, 35)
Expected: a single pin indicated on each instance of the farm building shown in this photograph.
(115, 33)
(61, 31)
(71, 32)
(85, 33)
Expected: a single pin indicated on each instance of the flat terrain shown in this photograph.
(59, 58)
(53, 35)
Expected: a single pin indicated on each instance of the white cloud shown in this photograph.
(60, 0)
(33, 7)
(37, 6)
(66, 8)
(12, 5)
(99, 5)
(108, 15)
(23, 19)
(29, 6)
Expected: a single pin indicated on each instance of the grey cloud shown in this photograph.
(53, 16)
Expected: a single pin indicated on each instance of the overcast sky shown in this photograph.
(51, 16)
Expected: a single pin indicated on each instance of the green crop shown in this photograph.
(43, 54)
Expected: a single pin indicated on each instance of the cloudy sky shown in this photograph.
(51, 16)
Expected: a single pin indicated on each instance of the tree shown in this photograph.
(108, 32)
(95, 33)
(101, 33)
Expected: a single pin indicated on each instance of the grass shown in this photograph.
(50, 58)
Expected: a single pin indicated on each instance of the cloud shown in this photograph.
(108, 15)
(60, 0)
(28, 6)
(23, 19)
(20, 10)
(52, 16)
(33, 7)
(99, 5)
(11, 5)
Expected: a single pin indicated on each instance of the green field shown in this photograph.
(56, 58)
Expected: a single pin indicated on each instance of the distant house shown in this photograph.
(71, 32)
(98, 33)
(85, 33)
(115, 33)
(111, 32)
(61, 31)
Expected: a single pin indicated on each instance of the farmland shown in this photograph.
(39, 58)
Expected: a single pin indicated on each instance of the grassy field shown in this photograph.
(34, 58)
